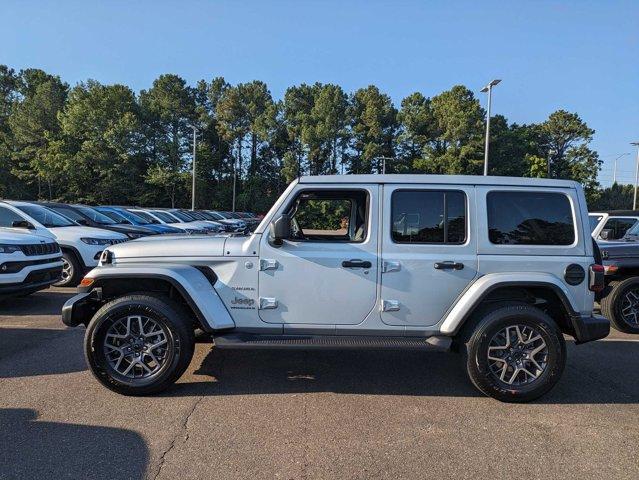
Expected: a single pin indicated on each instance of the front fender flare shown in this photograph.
(190, 281)
(479, 289)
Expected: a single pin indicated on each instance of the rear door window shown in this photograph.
(530, 218)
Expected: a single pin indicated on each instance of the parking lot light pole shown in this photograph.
(634, 201)
(193, 172)
(488, 88)
(614, 169)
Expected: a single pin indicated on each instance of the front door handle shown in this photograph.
(354, 263)
(448, 265)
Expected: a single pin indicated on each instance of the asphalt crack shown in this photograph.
(184, 432)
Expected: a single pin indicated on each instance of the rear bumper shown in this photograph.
(589, 328)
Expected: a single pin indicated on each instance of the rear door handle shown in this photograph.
(448, 265)
(354, 263)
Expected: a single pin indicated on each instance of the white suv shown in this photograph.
(81, 246)
(495, 268)
(28, 263)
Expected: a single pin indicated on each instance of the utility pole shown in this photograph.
(634, 202)
(383, 159)
(488, 88)
(193, 172)
(614, 170)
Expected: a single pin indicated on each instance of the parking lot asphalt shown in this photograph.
(289, 415)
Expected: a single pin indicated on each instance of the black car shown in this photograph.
(90, 217)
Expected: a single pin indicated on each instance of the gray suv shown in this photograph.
(495, 269)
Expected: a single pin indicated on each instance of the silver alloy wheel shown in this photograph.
(67, 271)
(136, 346)
(630, 307)
(517, 355)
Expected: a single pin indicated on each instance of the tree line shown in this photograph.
(96, 143)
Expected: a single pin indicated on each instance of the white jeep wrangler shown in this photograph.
(496, 268)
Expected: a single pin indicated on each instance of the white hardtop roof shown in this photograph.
(441, 180)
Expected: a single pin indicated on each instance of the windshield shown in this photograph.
(594, 221)
(182, 216)
(133, 218)
(146, 216)
(46, 217)
(226, 215)
(216, 216)
(96, 216)
(165, 217)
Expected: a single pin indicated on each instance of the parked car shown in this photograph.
(496, 268)
(90, 217)
(28, 262)
(166, 218)
(124, 216)
(199, 217)
(612, 225)
(233, 224)
(81, 246)
(182, 216)
(620, 298)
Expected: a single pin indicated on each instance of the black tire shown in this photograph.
(488, 326)
(175, 324)
(72, 270)
(612, 304)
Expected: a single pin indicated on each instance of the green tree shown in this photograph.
(35, 130)
(373, 121)
(417, 130)
(457, 146)
(9, 185)
(168, 111)
(101, 144)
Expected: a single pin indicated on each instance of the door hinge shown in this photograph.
(267, 303)
(390, 305)
(268, 264)
(390, 266)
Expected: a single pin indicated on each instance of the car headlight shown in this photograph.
(96, 241)
(9, 248)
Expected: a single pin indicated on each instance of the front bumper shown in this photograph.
(589, 328)
(34, 281)
(80, 308)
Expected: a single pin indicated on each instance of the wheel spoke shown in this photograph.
(134, 346)
(517, 354)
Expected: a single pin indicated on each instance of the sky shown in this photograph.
(581, 56)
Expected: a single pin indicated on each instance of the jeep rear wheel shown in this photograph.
(621, 305)
(139, 344)
(515, 354)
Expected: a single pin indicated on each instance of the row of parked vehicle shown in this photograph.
(617, 235)
(47, 243)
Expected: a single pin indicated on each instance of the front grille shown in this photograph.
(40, 249)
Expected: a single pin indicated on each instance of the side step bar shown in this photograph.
(329, 342)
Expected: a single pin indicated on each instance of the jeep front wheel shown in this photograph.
(515, 354)
(139, 344)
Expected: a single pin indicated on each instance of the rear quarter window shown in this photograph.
(530, 218)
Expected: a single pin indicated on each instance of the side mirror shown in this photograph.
(605, 234)
(22, 224)
(280, 229)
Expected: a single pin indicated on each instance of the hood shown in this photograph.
(123, 228)
(21, 238)
(75, 233)
(612, 250)
(170, 246)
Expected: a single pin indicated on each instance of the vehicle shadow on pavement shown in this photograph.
(41, 303)
(595, 373)
(41, 449)
(26, 352)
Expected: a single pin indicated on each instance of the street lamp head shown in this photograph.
(490, 85)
